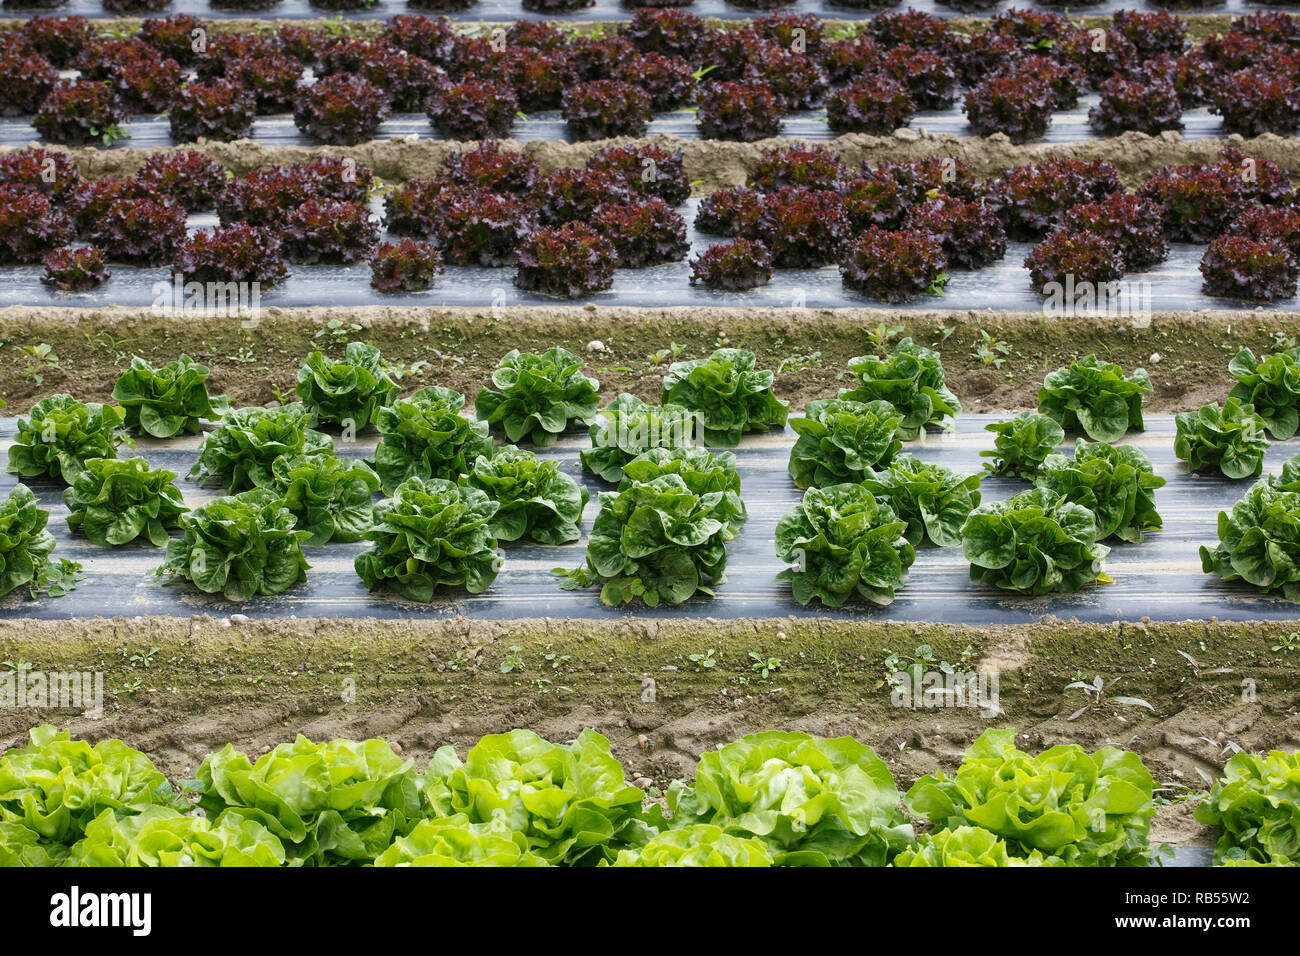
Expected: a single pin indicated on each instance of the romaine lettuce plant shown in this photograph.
(726, 393)
(1258, 543)
(347, 391)
(332, 804)
(1230, 439)
(114, 502)
(167, 401)
(842, 440)
(431, 534)
(1035, 542)
(241, 451)
(703, 472)
(1095, 398)
(238, 546)
(1272, 386)
(1254, 803)
(425, 436)
(535, 499)
(25, 545)
(570, 803)
(813, 801)
(628, 427)
(933, 500)
(658, 541)
(540, 396)
(328, 496)
(842, 541)
(1086, 809)
(1115, 482)
(1022, 444)
(61, 434)
(911, 380)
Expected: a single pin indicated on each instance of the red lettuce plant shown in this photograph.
(272, 80)
(1257, 101)
(566, 261)
(987, 53)
(644, 233)
(1198, 202)
(730, 211)
(225, 48)
(29, 78)
(601, 109)
(812, 167)
(30, 225)
(146, 84)
(804, 228)
(217, 110)
(874, 104)
(187, 177)
(39, 170)
(596, 58)
(734, 266)
(407, 265)
(175, 37)
(477, 227)
(669, 80)
(894, 266)
(59, 39)
(797, 78)
(1131, 224)
(919, 179)
(1031, 199)
(913, 28)
(334, 177)
(75, 270)
(415, 208)
(538, 77)
(240, 253)
(1034, 26)
(341, 109)
(726, 54)
(1133, 105)
(429, 38)
(851, 60)
(1019, 107)
(929, 78)
(1270, 224)
(645, 171)
(743, 111)
(1087, 256)
(474, 109)
(670, 32)
(408, 80)
(970, 232)
(570, 194)
(1099, 57)
(1238, 267)
(80, 112)
(1152, 33)
(875, 199)
(329, 232)
(88, 202)
(1065, 80)
(140, 232)
(492, 168)
(537, 35)
(791, 30)
(302, 43)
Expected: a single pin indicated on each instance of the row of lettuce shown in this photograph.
(661, 536)
(769, 799)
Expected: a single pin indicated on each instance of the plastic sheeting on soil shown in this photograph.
(1160, 578)
(1174, 285)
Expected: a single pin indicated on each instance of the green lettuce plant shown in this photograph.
(54, 788)
(1022, 444)
(115, 501)
(1259, 541)
(656, 540)
(1115, 482)
(61, 434)
(1230, 439)
(697, 844)
(535, 499)
(1035, 542)
(570, 803)
(431, 533)
(628, 427)
(239, 546)
(350, 391)
(842, 440)
(1084, 809)
(1095, 398)
(1271, 386)
(842, 541)
(933, 500)
(243, 448)
(164, 837)
(967, 846)
(912, 380)
(813, 801)
(168, 401)
(727, 394)
(331, 804)
(457, 841)
(328, 496)
(425, 436)
(1256, 805)
(704, 473)
(540, 396)
(25, 544)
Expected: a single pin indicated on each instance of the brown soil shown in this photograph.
(463, 346)
(423, 684)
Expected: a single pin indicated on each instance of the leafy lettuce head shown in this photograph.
(425, 436)
(168, 401)
(538, 397)
(61, 434)
(25, 545)
(628, 427)
(698, 844)
(1256, 804)
(912, 380)
(730, 397)
(351, 390)
(842, 440)
(536, 500)
(242, 450)
(1095, 398)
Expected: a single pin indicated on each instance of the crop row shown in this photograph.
(661, 536)
(769, 799)
(895, 230)
(741, 83)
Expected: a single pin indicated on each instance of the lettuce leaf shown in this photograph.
(1115, 482)
(1256, 805)
(347, 391)
(329, 497)
(1271, 386)
(1259, 541)
(1095, 398)
(425, 436)
(934, 501)
(456, 841)
(726, 394)
(535, 499)
(1022, 444)
(967, 846)
(697, 844)
(163, 837)
(61, 434)
(25, 545)
(115, 501)
(168, 401)
(703, 472)
(540, 396)
(1230, 439)
(842, 440)
(241, 451)
(912, 380)
(628, 427)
